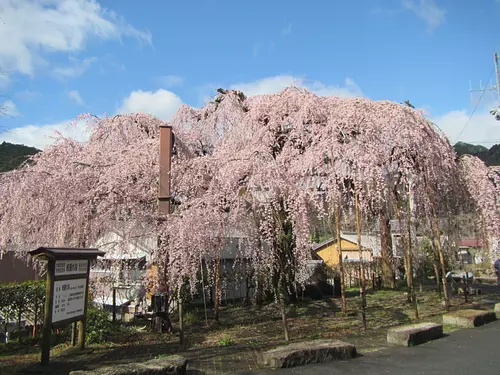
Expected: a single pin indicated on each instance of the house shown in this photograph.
(118, 277)
(397, 238)
(15, 269)
(125, 265)
(122, 270)
(329, 253)
(469, 250)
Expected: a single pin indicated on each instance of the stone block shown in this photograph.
(170, 365)
(303, 353)
(468, 318)
(414, 334)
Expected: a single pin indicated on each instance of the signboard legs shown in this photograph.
(73, 334)
(47, 319)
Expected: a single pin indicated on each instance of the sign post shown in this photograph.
(66, 291)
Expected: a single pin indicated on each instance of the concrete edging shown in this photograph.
(414, 334)
(174, 364)
(468, 318)
(303, 353)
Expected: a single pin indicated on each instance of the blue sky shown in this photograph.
(62, 58)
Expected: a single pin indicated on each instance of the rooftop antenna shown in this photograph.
(491, 88)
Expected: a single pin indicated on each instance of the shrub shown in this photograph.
(99, 327)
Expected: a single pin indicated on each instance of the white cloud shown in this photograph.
(162, 103)
(34, 28)
(287, 30)
(482, 127)
(171, 80)
(427, 10)
(272, 85)
(9, 108)
(40, 136)
(75, 96)
(77, 68)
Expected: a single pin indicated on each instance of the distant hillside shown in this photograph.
(12, 156)
(490, 157)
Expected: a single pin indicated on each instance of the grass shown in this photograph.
(242, 332)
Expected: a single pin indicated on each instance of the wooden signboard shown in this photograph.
(66, 291)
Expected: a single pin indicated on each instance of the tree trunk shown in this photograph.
(33, 332)
(388, 279)
(19, 318)
(217, 290)
(181, 317)
(283, 316)
(217, 277)
(436, 264)
(203, 290)
(411, 286)
(441, 258)
(406, 246)
(436, 274)
(341, 268)
(362, 289)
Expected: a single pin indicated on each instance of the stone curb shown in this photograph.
(170, 365)
(414, 334)
(303, 353)
(468, 318)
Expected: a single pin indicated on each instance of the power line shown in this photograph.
(477, 104)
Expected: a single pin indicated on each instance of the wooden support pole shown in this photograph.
(166, 138)
(362, 289)
(114, 304)
(181, 319)
(47, 319)
(81, 334)
(73, 334)
(340, 260)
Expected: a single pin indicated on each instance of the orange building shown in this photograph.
(328, 250)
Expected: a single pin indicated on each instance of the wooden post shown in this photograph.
(81, 334)
(181, 319)
(82, 323)
(362, 289)
(441, 258)
(341, 267)
(114, 304)
(166, 138)
(47, 319)
(73, 334)
(166, 144)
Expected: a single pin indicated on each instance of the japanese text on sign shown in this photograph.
(71, 267)
(69, 299)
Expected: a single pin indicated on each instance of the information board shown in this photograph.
(71, 267)
(69, 299)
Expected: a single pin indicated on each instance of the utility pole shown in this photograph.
(497, 75)
(496, 88)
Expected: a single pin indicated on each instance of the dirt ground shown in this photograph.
(232, 344)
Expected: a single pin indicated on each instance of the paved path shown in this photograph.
(466, 352)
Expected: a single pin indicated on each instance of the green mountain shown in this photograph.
(489, 156)
(12, 156)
